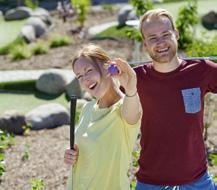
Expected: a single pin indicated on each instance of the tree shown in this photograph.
(142, 6)
(81, 7)
(186, 20)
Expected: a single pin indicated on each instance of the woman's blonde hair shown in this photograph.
(93, 53)
(155, 13)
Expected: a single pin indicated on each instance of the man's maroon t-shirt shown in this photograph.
(172, 146)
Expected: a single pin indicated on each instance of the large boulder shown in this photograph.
(13, 122)
(126, 13)
(73, 88)
(18, 13)
(47, 116)
(132, 15)
(28, 33)
(43, 14)
(209, 20)
(53, 81)
(38, 24)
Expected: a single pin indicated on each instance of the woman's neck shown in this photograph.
(110, 98)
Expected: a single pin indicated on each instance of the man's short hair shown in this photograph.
(155, 13)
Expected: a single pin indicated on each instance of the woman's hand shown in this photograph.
(126, 76)
(71, 155)
(131, 109)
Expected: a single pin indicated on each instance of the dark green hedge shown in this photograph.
(28, 85)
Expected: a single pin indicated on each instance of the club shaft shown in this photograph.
(73, 100)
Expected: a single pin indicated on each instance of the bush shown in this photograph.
(205, 47)
(134, 34)
(39, 48)
(57, 41)
(32, 4)
(28, 86)
(214, 179)
(142, 6)
(81, 7)
(187, 18)
(6, 140)
(37, 184)
(20, 52)
(6, 49)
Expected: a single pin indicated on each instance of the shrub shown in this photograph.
(2, 167)
(25, 155)
(142, 6)
(134, 34)
(6, 140)
(32, 4)
(204, 47)
(213, 158)
(58, 40)
(214, 179)
(81, 7)
(6, 49)
(37, 184)
(39, 48)
(28, 86)
(187, 18)
(20, 52)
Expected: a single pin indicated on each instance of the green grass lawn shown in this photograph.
(24, 102)
(115, 32)
(9, 30)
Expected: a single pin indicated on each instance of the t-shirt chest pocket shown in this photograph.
(192, 100)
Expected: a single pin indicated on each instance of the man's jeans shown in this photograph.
(203, 183)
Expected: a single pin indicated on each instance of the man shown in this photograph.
(172, 91)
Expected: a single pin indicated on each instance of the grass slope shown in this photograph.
(24, 102)
(9, 31)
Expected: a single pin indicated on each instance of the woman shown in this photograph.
(108, 126)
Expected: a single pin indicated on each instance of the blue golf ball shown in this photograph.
(113, 69)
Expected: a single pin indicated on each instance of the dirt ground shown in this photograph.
(45, 148)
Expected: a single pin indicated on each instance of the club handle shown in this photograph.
(73, 100)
